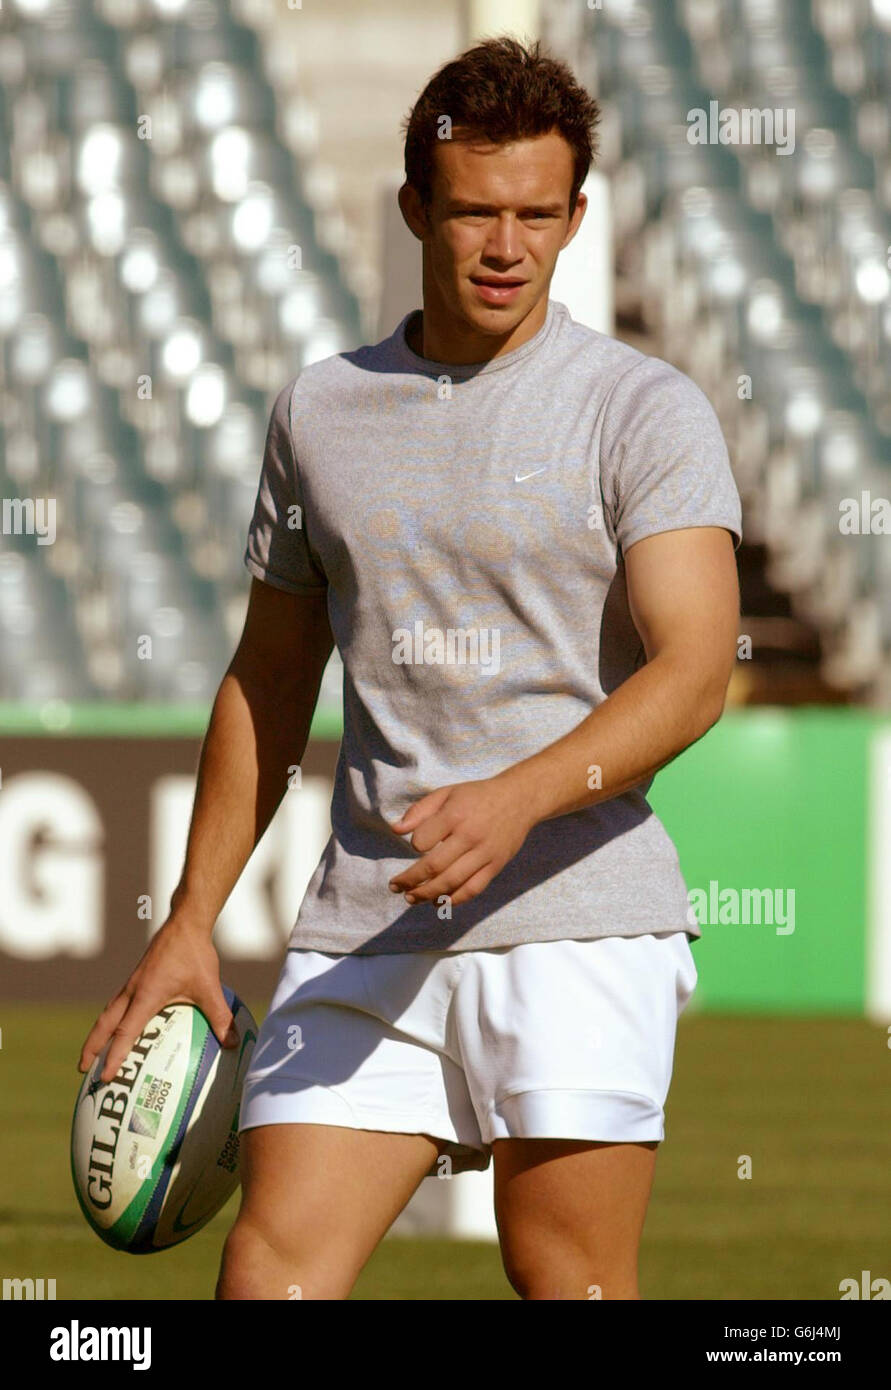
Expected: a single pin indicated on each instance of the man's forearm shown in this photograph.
(647, 721)
(257, 731)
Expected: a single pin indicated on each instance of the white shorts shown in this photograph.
(553, 1039)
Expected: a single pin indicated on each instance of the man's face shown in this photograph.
(498, 218)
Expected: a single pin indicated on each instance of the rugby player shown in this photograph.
(520, 534)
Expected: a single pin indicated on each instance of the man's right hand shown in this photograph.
(181, 966)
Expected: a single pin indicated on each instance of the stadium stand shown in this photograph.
(162, 277)
(171, 254)
(772, 265)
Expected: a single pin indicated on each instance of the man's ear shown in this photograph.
(414, 213)
(575, 220)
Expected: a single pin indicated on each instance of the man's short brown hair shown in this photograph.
(500, 91)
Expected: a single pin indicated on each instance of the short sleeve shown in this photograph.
(278, 549)
(664, 462)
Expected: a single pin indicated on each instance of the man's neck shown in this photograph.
(426, 341)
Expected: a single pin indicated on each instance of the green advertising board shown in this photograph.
(784, 800)
(781, 818)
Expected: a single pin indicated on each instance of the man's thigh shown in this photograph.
(570, 1215)
(315, 1202)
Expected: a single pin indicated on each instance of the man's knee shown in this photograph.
(563, 1269)
(257, 1264)
(265, 1260)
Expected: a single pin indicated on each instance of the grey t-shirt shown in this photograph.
(468, 523)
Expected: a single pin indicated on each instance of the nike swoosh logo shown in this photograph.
(521, 478)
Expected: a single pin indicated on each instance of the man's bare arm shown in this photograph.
(259, 727)
(683, 594)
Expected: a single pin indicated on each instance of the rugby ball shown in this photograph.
(154, 1151)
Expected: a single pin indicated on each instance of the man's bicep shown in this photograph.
(683, 593)
(286, 636)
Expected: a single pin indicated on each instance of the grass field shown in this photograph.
(807, 1099)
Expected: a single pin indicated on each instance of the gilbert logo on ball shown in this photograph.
(154, 1151)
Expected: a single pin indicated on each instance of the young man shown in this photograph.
(520, 535)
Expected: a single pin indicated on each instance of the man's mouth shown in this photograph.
(497, 289)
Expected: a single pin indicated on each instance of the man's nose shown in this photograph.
(505, 240)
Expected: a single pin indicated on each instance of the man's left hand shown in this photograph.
(465, 833)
